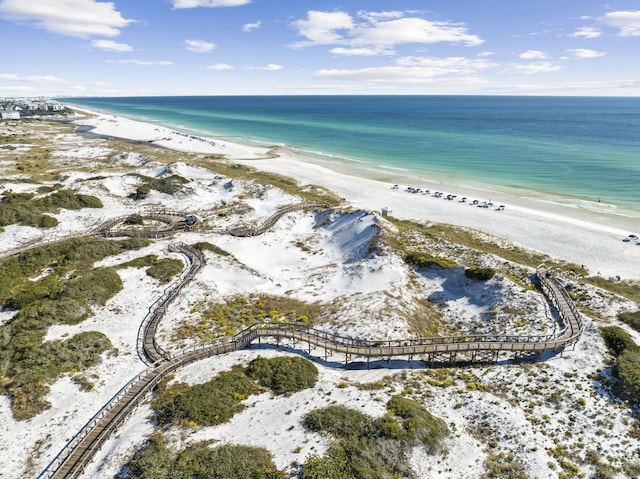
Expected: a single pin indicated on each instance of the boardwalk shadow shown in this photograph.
(457, 286)
(396, 364)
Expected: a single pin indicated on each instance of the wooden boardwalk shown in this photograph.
(80, 450)
(78, 453)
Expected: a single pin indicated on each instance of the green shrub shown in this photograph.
(617, 340)
(335, 464)
(23, 209)
(368, 448)
(206, 246)
(629, 373)
(142, 191)
(65, 296)
(169, 185)
(340, 421)
(35, 367)
(134, 219)
(283, 374)
(422, 260)
(165, 269)
(482, 274)
(141, 262)
(419, 424)
(632, 318)
(208, 404)
(159, 461)
(154, 461)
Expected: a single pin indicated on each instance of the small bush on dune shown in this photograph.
(208, 404)
(482, 274)
(283, 374)
(632, 318)
(340, 421)
(617, 340)
(165, 269)
(365, 448)
(629, 374)
(422, 260)
(157, 460)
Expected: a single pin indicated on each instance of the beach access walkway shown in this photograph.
(78, 453)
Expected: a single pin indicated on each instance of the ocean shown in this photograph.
(578, 151)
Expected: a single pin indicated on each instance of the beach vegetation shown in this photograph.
(442, 234)
(64, 294)
(505, 466)
(229, 317)
(283, 375)
(627, 289)
(311, 193)
(207, 404)
(203, 246)
(631, 318)
(28, 210)
(134, 219)
(423, 260)
(168, 185)
(617, 340)
(481, 274)
(368, 448)
(164, 270)
(219, 399)
(627, 366)
(158, 460)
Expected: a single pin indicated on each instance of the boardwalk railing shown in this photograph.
(148, 349)
(245, 231)
(78, 452)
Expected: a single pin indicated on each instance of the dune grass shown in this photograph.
(52, 284)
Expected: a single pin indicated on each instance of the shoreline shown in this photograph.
(574, 234)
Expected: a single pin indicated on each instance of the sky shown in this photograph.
(58, 48)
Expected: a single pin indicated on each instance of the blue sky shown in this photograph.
(281, 47)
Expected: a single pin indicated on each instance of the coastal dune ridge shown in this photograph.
(580, 234)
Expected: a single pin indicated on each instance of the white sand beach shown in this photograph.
(580, 235)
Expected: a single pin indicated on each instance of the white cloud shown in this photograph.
(31, 78)
(378, 30)
(142, 62)
(76, 18)
(585, 53)
(413, 30)
(271, 67)
(587, 32)
(627, 21)
(374, 17)
(416, 70)
(199, 46)
(208, 3)
(362, 52)
(321, 27)
(111, 46)
(248, 27)
(220, 67)
(533, 55)
(532, 68)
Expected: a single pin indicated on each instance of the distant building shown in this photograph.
(9, 115)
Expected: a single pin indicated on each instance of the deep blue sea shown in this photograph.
(585, 149)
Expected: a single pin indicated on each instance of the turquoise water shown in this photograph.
(582, 148)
